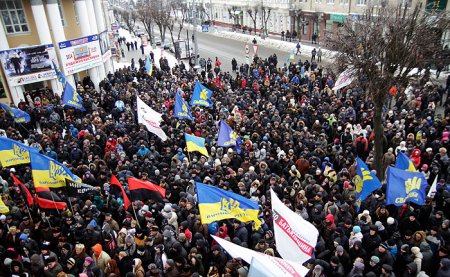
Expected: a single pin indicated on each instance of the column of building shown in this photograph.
(100, 16)
(57, 29)
(85, 22)
(45, 37)
(15, 91)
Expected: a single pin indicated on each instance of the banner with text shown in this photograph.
(80, 54)
(105, 46)
(28, 64)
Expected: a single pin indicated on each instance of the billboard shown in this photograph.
(105, 46)
(80, 54)
(28, 64)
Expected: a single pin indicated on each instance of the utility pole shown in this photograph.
(194, 32)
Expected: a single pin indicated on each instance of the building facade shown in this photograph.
(34, 34)
(306, 17)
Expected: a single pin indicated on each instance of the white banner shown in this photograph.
(80, 54)
(433, 189)
(280, 266)
(295, 237)
(150, 119)
(345, 79)
(28, 64)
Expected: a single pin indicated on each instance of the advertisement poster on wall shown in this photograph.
(28, 65)
(105, 46)
(80, 54)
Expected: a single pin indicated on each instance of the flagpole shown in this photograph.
(135, 215)
(189, 157)
(53, 199)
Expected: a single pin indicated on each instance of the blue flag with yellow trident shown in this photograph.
(405, 186)
(217, 204)
(201, 96)
(13, 152)
(18, 115)
(148, 66)
(48, 173)
(182, 109)
(70, 95)
(365, 182)
(404, 163)
(228, 137)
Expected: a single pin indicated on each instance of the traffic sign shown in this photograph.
(205, 28)
(255, 48)
(247, 49)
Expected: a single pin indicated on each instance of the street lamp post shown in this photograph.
(194, 32)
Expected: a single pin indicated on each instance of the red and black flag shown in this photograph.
(115, 182)
(49, 204)
(143, 190)
(24, 190)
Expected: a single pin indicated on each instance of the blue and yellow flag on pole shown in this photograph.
(18, 115)
(3, 208)
(148, 66)
(405, 186)
(182, 109)
(365, 182)
(404, 163)
(217, 204)
(194, 143)
(48, 173)
(13, 152)
(70, 95)
(201, 96)
(228, 137)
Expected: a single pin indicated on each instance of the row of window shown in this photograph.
(358, 2)
(15, 20)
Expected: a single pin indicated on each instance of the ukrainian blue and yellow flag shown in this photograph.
(148, 66)
(18, 115)
(201, 96)
(13, 152)
(405, 186)
(365, 182)
(48, 173)
(404, 163)
(182, 109)
(217, 204)
(194, 143)
(228, 137)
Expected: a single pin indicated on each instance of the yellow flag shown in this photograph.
(3, 208)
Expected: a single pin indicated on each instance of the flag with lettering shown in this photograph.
(365, 182)
(296, 238)
(405, 186)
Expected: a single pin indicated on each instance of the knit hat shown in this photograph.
(170, 262)
(379, 226)
(339, 249)
(356, 229)
(71, 261)
(415, 250)
(390, 220)
(88, 260)
(384, 245)
(129, 239)
(375, 259)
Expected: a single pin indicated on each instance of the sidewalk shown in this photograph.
(136, 54)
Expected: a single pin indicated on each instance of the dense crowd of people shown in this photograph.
(300, 138)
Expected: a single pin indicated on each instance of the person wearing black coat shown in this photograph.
(371, 240)
(218, 259)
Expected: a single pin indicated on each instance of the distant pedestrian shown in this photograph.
(132, 46)
(135, 45)
(313, 54)
(128, 46)
(299, 46)
(314, 38)
(282, 35)
(254, 41)
(319, 55)
(234, 64)
(142, 49)
(152, 56)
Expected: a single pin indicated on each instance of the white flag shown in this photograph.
(280, 266)
(345, 79)
(295, 237)
(432, 190)
(150, 119)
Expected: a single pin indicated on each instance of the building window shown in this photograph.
(330, 2)
(61, 11)
(343, 2)
(76, 13)
(361, 2)
(13, 17)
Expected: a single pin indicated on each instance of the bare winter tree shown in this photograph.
(232, 12)
(180, 12)
(128, 17)
(265, 11)
(384, 47)
(161, 15)
(253, 13)
(144, 15)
